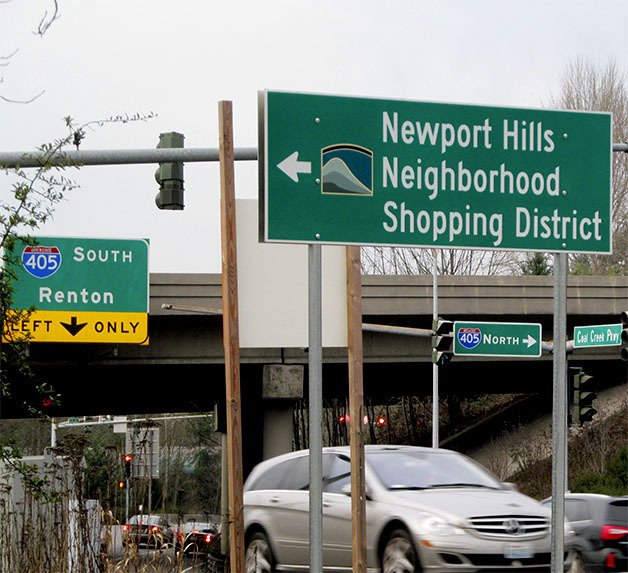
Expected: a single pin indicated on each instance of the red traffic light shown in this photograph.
(128, 458)
(380, 420)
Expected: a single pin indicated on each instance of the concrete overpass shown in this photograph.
(182, 369)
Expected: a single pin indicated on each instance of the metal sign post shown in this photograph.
(559, 411)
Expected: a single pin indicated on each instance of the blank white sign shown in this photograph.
(273, 289)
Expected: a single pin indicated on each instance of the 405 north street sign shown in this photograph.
(82, 290)
(346, 170)
(515, 339)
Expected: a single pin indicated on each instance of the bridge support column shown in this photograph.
(282, 385)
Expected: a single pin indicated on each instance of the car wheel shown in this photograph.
(399, 555)
(259, 557)
(577, 564)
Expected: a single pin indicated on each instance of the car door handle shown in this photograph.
(274, 499)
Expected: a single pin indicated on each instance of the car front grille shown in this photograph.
(510, 526)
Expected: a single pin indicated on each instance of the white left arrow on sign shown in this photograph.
(529, 340)
(291, 166)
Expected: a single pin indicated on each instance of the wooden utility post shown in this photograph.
(231, 339)
(356, 408)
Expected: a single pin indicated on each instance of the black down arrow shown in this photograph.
(73, 328)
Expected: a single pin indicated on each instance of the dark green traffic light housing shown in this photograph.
(170, 175)
(582, 393)
(442, 341)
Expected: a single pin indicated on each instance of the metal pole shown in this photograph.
(559, 413)
(78, 158)
(435, 396)
(126, 501)
(315, 368)
(53, 432)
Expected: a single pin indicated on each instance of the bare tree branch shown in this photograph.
(46, 20)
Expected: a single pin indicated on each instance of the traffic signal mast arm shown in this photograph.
(80, 157)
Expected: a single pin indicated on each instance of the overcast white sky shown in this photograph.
(178, 59)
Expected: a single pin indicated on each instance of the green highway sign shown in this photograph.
(349, 170)
(82, 290)
(516, 339)
(598, 335)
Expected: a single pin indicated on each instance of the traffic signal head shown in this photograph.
(583, 393)
(170, 175)
(128, 460)
(121, 484)
(442, 341)
(624, 335)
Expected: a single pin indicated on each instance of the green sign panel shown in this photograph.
(517, 339)
(393, 172)
(106, 275)
(82, 290)
(599, 335)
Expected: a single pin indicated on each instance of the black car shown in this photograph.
(148, 531)
(196, 538)
(600, 523)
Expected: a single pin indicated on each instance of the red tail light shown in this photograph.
(155, 529)
(208, 538)
(609, 561)
(613, 532)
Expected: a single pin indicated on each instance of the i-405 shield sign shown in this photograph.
(516, 339)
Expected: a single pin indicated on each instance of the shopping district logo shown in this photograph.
(40, 261)
(347, 170)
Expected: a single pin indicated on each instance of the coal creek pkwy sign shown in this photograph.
(81, 290)
(348, 170)
(597, 335)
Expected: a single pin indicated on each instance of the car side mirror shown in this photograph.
(346, 489)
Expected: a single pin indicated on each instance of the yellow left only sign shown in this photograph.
(68, 326)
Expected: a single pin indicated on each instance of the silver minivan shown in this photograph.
(427, 509)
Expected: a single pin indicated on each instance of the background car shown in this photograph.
(426, 509)
(196, 537)
(148, 531)
(600, 523)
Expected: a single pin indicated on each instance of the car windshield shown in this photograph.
(414, 470)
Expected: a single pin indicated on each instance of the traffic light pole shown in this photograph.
(126, 500)
(435, 394)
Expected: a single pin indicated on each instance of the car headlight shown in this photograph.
(436, 526)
